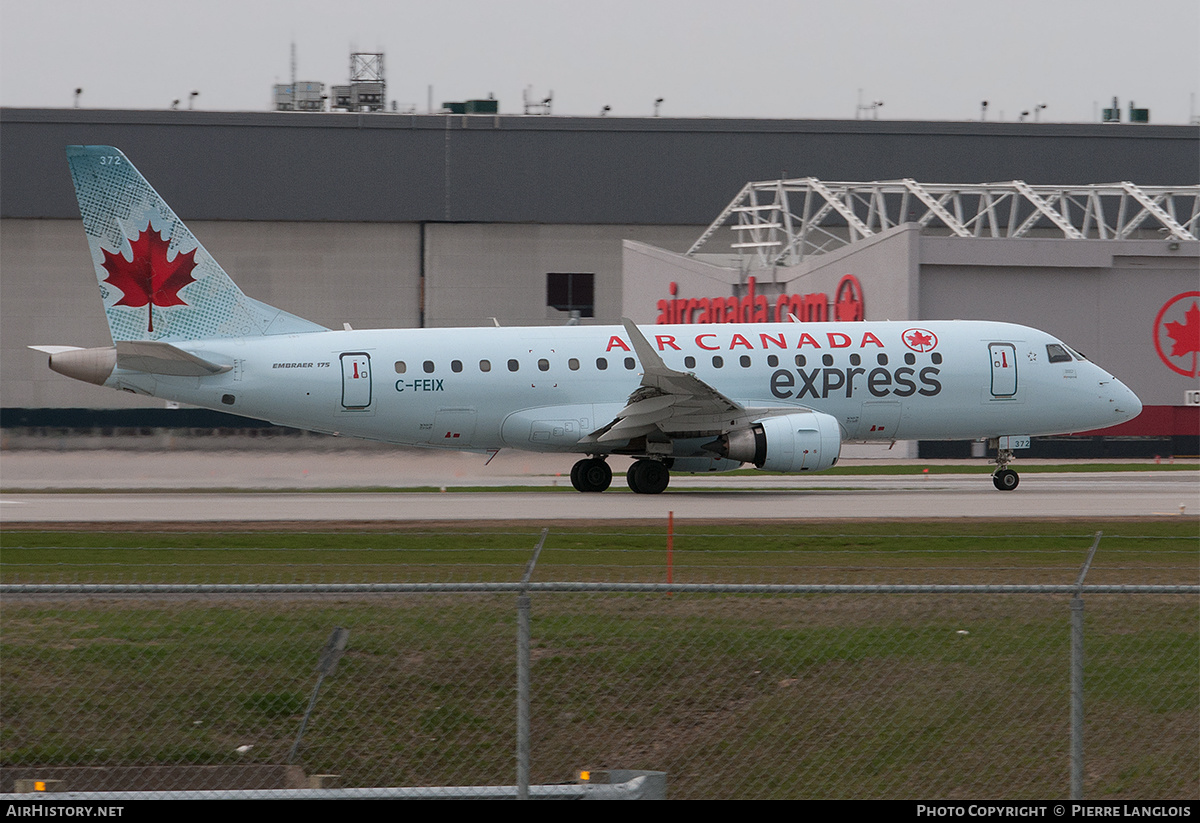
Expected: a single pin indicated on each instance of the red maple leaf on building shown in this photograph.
(849, 306)
(149, 279)
(1185, 336)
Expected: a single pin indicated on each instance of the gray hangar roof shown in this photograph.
(533, 169)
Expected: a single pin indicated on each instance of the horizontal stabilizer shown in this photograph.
(155, 357)
(56, 349)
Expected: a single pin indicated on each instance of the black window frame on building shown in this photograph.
(572, 291)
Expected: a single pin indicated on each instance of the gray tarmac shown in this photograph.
(313, 486)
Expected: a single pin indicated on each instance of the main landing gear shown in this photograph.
(1004, 478)
(645, 476)
(648, 477)
(591, 474)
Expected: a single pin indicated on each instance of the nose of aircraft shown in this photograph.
(1125, 403)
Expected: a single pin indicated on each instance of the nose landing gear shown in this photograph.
(1004, 478)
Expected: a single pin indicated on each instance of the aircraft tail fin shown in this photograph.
(157, 281)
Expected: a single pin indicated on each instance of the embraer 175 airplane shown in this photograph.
(690, 398)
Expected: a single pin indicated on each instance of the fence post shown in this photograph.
(1076, 698)
(326, 665)
(1077, 676)
(523, 673)
(523, 696)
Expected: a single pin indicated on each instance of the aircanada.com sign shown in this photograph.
(814, 307)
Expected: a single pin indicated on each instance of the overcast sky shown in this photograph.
(925, 59)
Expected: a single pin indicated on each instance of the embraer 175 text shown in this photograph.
(781, 396)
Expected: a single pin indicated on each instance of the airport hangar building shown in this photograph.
(399, 220)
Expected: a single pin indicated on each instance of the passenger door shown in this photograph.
(356, 381)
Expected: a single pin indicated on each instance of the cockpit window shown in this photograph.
(1057, 353)
(1078, 356)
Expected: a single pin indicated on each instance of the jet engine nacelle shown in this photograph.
(805, 441)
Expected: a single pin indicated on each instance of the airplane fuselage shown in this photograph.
(544, 388)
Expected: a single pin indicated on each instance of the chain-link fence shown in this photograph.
(842, 694)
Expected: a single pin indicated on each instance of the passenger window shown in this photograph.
(401, 367)
(718, 361)
(772, 360)
(630, 363)
(544, 364)
(428, 366)
(689, 362)
(513, 365)
(1057, 353)
(800, 361)
(485, 365)
(881, 359)
(456, 366)
(601, 363)
(745, 361)
(573, 364)
(855, 360)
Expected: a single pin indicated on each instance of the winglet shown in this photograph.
(652, 363)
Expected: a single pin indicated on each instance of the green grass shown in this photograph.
(1034, 551)
(734, 696)
(813, 696)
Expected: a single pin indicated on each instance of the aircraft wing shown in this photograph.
(675, 403)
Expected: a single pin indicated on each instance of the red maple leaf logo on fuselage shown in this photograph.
(919, 340)
(149, 279)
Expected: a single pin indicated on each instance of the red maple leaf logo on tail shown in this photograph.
(1185, 336)
(150, 279)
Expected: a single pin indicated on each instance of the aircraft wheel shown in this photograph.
(648, 477)
(1005, 480)
(594, 475)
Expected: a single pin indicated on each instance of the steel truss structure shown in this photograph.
(780, 222)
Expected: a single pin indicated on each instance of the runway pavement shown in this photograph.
(218, 487)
